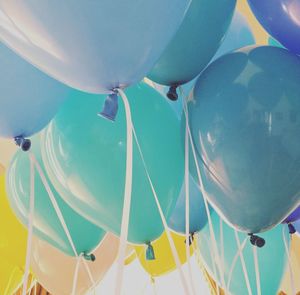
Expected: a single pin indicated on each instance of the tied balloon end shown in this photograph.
(292, 229)
(110, 107)
(257, 241)
(23, 143)
(150, 255)
(191, 239)
(89, 257)
(172, 93)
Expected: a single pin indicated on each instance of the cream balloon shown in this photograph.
(55, 271)
(7, 150)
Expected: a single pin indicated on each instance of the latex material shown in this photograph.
(7, 151)
(245, 123)
(271, 258)
(281, 19)
(55, 270)
(194, 44)
(85, 235)
(88, 44)
(85, 158)
(294, 216)
(164, 261)
(12, 246)
(197, 218)
(29, 98)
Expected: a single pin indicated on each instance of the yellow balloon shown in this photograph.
(261, 36)
(164, 261)
(13, 239)
(286, 287)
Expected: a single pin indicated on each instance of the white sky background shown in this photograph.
(137, 281)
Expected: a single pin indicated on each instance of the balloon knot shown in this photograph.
(89, 257)
(292, 229)
(191, 238)
(257, 241)
(110, 107)
(150, 255)
(23, 143)
(172, 93)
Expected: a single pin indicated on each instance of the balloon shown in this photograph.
(281, 19)
(85, 235)
(295, 266)
(271, 258)
(294, 216)
(55, 270)
(198, 217)
(13, 239)
(239, 35)
(244, 121)
(7, 150)
(85, 157)
(164, 260)
(195, 43)
(89, 44)
(29, 98)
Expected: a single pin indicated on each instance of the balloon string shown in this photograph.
(257, 273)
(168, 233)
(222, 243)
(153, 286)
(289, 261)
(30, 226)
(211, 229)
(127, 195)
(58, 212)
(12, 274)
(75, 277)
(187, 209)
(234, 261)
(246, 276)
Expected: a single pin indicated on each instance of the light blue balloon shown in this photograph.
(198, 217)
(271, 258)
(94, 45)
(239, 35)
(195, 43)
(47, 226)
(244, 120)
(29, 98)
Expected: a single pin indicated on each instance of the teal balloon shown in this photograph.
(273, 42)
(85, 235)
(85, 156)
(244, 119)
(29, 98)
(272, 258)
(239, 35)
(195, 43)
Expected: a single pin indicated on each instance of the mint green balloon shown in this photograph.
(85, 235)
(272, 258)
(85, 156)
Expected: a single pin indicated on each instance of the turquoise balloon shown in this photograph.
(195, 43)
(85, 156)
(197, 212)
(244, 120)
(29, 98)
(271, 258)
(85, 235)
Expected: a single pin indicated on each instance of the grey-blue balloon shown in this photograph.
(245, 122)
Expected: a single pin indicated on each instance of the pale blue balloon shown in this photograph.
(29, 98)
(94, 46)
(238, 35)
(271, 258)
(197, 216)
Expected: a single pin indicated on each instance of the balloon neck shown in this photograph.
(172, 93)
(89, 257)
(257, 241)
(23, 143)
(110, 107)
(150, 255)
(191, 238)
(292, 229)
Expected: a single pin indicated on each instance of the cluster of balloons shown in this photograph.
(63, 60)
